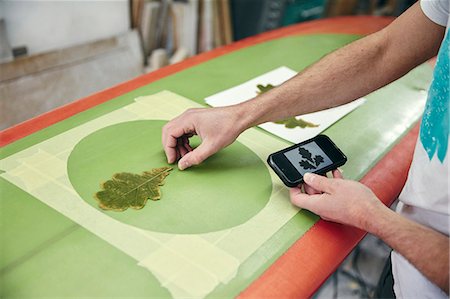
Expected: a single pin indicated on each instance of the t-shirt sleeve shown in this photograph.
(436, 10)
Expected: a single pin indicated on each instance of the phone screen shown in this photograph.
(308, 157)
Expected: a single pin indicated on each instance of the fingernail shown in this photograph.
(308, 177)
(182, 165)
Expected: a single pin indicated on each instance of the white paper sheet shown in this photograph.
(248, 90)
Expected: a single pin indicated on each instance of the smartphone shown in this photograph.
(317, 155)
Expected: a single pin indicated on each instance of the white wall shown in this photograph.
(2, 9)
(44, 25)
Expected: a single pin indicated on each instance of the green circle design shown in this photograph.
(224, 191)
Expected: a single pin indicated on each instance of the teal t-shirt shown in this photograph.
(434, 130)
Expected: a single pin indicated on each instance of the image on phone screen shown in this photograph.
(308, 158)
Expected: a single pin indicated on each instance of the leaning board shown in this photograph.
(46, 254)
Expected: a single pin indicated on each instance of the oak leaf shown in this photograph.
(306, 165)
(264, 88)
(291, 122)
(305, 154)
(128, 190)
(318, 159)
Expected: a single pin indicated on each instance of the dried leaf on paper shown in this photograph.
(264, 88)
(128, 190)
(290, 122)
(293, 122)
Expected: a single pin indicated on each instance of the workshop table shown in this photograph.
(45, 254)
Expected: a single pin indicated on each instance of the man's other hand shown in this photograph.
(336, 199)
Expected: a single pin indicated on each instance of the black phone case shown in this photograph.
(320, 172)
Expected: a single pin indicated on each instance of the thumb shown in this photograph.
(197, 156)
(318, 182)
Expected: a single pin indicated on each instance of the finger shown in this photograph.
(337, 174)
(186, 142)
(181, 148)
(320, 183)
(198, 155)
(296, 190)
(310, 190)
(170, 147)
(305, 201)
(170, 136)
(178, 156)
(171, 152)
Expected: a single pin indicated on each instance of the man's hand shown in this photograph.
(336, 199)
(352, 203)
(216, 127)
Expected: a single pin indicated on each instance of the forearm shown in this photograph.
(338, 78)
(426, 249)
(350, 72)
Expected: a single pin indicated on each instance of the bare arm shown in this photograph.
(354, 204)
(346, 74)
(352, 71)
(426, 249)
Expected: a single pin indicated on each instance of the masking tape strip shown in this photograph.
(187, 265)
